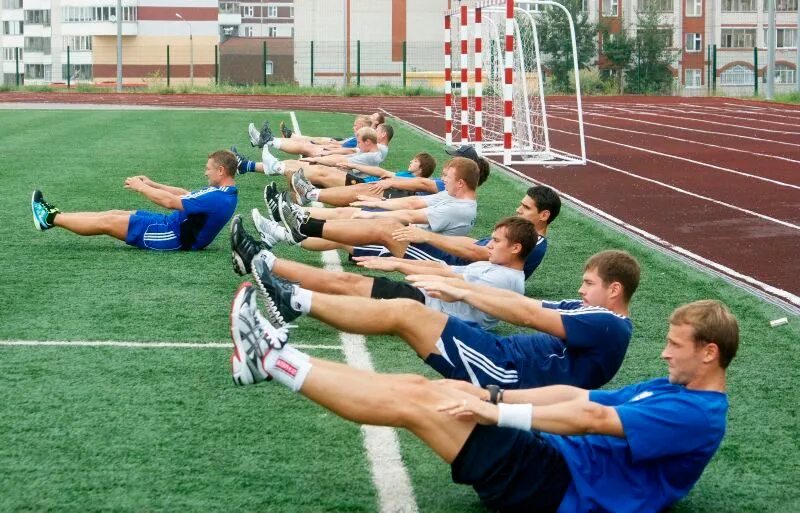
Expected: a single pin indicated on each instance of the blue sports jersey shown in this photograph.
(591, 355)
(671, 433)
(351, 142)
(205, 212)
(439, 187)
(399, 174)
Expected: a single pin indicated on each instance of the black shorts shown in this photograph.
(397, 193)
(512, 469)
(352, 179)
(384, 288)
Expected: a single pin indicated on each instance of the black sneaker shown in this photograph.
(292, 216)
(285, 130)
(243, 247)
(276, 293)
(259, 139)
(240, 161)
(271, 200)
(43, 212)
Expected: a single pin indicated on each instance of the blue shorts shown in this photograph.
(512, 469)
(148, 230)
(414, 251)
(469, 353)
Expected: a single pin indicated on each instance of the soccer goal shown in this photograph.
(498, 101)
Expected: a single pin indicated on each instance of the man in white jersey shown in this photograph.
(512, 240)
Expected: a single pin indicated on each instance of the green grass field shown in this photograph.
(163, 429)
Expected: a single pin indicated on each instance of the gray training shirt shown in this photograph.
(448, 215)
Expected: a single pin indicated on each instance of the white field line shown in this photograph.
(683, 141)
(710, 265)
(668, 155)
(142, 345)
(749, 115)
(759, 139)
(395, 494)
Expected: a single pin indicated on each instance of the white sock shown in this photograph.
(276, 143)
(268, 258)
(279, 168)
(268, 159)
(313, 195)
(301, 300)
(288, 366)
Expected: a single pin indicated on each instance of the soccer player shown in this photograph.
(638, 449)
(577, 342)
(512, 240)
(198, 215)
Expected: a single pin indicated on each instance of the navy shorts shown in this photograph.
(469, 353)
(414, 251)
(512, 470)
(148, 230)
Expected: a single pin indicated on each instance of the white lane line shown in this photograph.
(725, 116)
(395, 494)
(143, 345)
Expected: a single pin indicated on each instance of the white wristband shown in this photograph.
(518, 416)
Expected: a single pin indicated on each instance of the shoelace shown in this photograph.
(281, 335)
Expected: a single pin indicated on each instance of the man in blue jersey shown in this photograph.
(578, 342)
(560, 448)
(198, 215)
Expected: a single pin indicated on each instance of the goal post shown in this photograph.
(498, 102)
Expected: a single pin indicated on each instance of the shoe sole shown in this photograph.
(256, 215)
(283, 219)
(239, 265)
(240, 372)
(299, 198)
(253, 141)
(36, 222)
(269, 209)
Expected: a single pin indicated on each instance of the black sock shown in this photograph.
(312, 227)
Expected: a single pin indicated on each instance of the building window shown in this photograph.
(291, 9)
(738, 6)
(12, 28)
(738, 38)
(694, 42)
(272, 11)
(268, 68)
(782, 5)
(38, 44)
(77, 43)
(248, 11)
(38, 17)
(693, 77)
(786, 38)
(248, 31)
(665, 34)
(12, 4)
(228, 7)
(91, 14)
(737, 75)
(272, 31)
(610, 7)
(78, 72)
(9, 54)
(657, 5)
(694, 7)
(37, 71)
(784, 74)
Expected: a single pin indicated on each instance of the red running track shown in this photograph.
(715, 179)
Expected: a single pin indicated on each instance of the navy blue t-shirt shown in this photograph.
(671, 433)
(591, 355)
(205, 212)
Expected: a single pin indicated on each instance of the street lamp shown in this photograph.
(191, 50)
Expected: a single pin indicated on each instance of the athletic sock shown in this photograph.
(301, 300)
(312, 227)
(313, 195)
(288, 366)
(277, 143)
(268, 257)
(269, 160)
(249, 166)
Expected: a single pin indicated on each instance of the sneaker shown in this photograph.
(302, 187)
(285, 130)
(292, 216)
(43, 212)
(276, 293)
(243, 247)
(259, 139)
(271, 232)
(271, 200)
(241, 161)
(254, 337)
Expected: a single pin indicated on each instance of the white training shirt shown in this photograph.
(372, 158)
(481, 273)
(448, 215)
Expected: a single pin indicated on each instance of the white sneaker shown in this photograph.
(302, 187)
(255, 135)
(271, 232)
(247, 331)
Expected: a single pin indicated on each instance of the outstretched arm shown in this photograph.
(404, 216)
(411, 202)
(158, 196)
(462, 247)
(370, 170)
(406, 266)
(176, 191)
(407, 184)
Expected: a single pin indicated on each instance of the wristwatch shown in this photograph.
(495, 394)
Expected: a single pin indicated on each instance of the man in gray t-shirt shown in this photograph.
(512, 240)
(448, 215)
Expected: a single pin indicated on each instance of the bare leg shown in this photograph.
(343, 196)
(332, 213)
(358, 232)
(412, 321)
(320, 280)
(317, 244)
(93, 223)
(406, 401)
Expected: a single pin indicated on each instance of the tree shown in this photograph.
(556, 46)
(650, 70)
(618, 49)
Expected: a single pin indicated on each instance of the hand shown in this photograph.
(310, 160)
(134, 183)
(360, 214)
(380, 186)
(438, 287)
(411, 234)
(471, 408)
(143, 178)
(377, 263)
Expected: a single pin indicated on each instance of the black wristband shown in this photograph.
(494, 393)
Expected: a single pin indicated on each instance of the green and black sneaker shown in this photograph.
(43, 213)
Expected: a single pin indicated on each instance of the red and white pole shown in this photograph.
(478, 80)
(464, 58)
(508, 83)
(448, 83)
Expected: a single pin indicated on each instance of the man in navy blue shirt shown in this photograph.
(198, 215)
(578, 342)
(557, 448)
